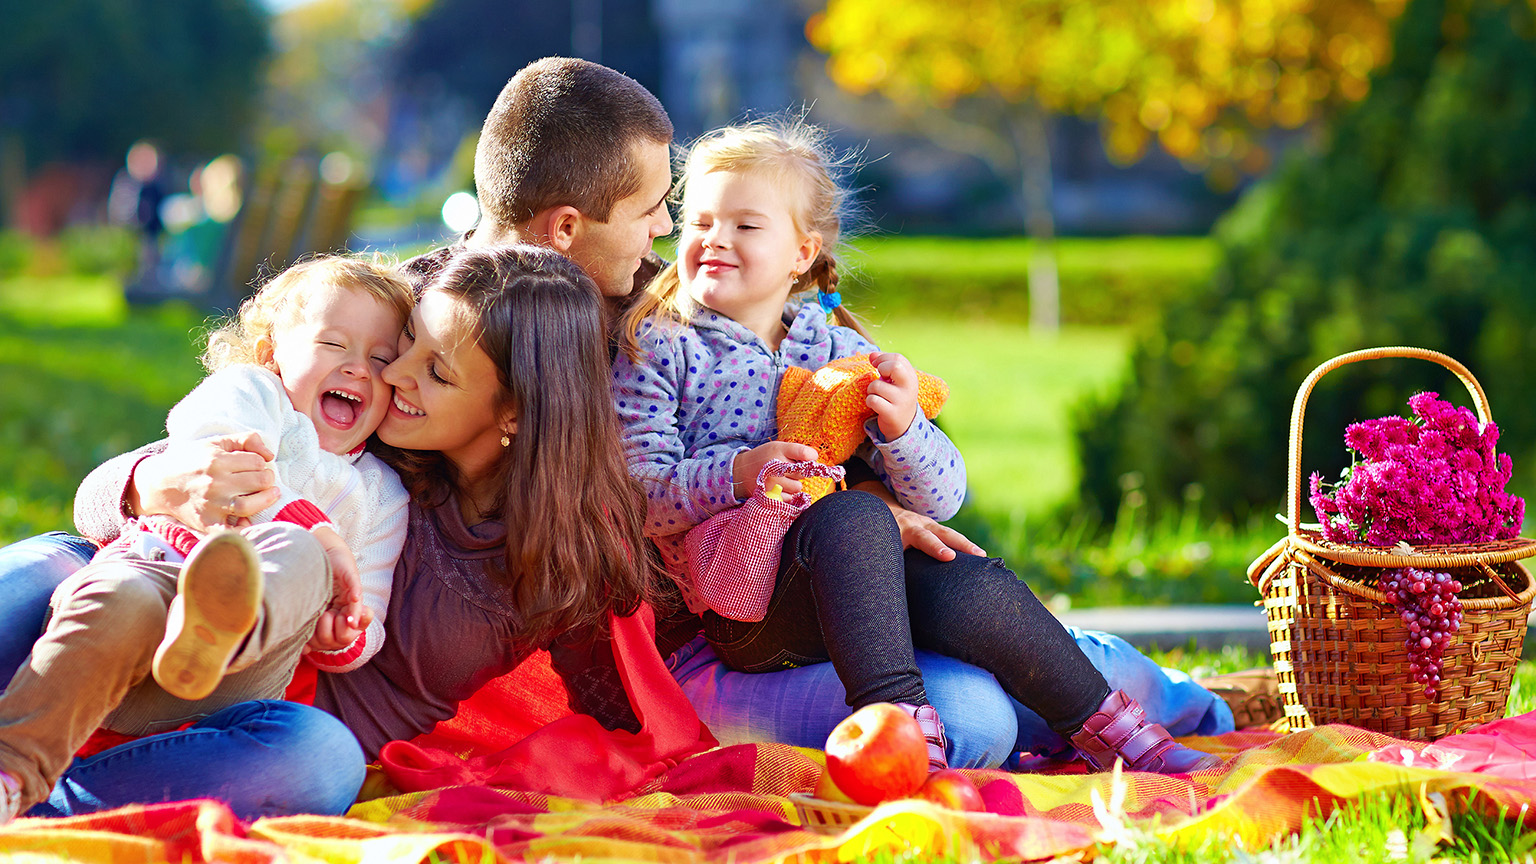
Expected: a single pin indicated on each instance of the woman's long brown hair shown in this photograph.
(573, 514)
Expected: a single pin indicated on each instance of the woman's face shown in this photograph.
(446, 389)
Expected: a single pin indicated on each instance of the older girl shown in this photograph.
(696, 394)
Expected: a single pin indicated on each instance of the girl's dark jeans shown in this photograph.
(847, 593)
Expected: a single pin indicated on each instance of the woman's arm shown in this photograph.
(192, 482)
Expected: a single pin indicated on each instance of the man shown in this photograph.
(574, 156)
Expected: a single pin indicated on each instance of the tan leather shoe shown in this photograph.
(217, 596)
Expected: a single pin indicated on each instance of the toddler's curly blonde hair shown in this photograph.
(278, 302)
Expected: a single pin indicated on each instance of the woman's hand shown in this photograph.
(745, 468)
(205, 484)
(893, 397)
(922, 532)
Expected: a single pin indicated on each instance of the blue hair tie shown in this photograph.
(829, 300)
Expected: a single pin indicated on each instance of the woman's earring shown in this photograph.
(506, 441)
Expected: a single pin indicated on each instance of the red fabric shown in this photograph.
(180, 537)
(505, 711)
(302, 687)
(575, 756)
(303, 514)
(329, 660)
(733, 556)
(1505, 748)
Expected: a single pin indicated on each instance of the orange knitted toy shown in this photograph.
(826, 410)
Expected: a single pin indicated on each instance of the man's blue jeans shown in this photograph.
(265, 758)
(986, 728)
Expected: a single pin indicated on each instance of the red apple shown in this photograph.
(826, 790)
(949, 788)
(877, 754)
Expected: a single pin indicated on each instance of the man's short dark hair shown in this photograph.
(562, 132)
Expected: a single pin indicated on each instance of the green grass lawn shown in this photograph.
(1011, 394)
(83, 378)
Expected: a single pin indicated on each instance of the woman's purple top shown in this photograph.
(451, 627)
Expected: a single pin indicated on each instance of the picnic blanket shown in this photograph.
(730, 804)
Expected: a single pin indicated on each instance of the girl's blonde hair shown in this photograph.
(279, 301)
(795, 156)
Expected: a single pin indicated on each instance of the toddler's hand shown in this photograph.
(339, 627)
(748, 463)
(346, 586)
(893, 397)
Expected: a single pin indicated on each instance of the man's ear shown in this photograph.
(264, 352)
(557, 227)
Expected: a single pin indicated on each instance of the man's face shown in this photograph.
(610, 252)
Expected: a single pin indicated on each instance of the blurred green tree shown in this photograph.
(83, 79)
(1195, 75)
(1413, 225)
(327, 82)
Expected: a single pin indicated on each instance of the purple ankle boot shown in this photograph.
(1120, 729)
(927, 718)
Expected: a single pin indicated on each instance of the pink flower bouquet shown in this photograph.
(1433, 478)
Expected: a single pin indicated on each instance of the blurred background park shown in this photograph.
(1123, 230)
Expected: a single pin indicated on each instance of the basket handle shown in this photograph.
(1299, 410)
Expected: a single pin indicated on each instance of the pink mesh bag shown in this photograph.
(733, 557)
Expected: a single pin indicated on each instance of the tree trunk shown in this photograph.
(1031, 138)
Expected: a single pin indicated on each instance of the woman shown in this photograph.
(500, 400)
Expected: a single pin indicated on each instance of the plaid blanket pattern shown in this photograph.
(729, 804)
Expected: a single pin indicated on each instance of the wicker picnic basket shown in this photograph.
(1339, 645)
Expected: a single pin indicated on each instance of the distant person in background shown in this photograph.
(137, 193)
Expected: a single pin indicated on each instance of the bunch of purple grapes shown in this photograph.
(1430, 609)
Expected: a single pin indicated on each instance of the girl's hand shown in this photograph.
(205, 484)
(748, 463)
(893, 397)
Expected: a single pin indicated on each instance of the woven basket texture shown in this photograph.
(1340, 648)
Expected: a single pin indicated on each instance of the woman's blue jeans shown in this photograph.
(263, 758)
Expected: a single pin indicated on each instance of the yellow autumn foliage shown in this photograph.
(1197, 75)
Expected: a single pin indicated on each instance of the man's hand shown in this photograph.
(925, 535)
(893, 396)
(922, 532)
(748, 463)
(205, 484)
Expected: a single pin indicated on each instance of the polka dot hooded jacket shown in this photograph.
(705, 391)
